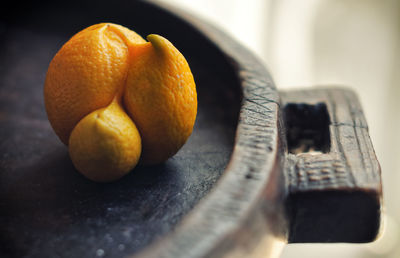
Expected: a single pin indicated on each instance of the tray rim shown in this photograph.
(208, 230)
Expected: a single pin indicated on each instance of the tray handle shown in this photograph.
(333, 181)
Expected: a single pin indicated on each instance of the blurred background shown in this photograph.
(355, 43)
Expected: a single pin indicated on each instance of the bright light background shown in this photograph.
(355, 43)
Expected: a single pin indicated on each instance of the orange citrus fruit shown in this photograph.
(116, 98)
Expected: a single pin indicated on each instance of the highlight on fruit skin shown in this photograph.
(118, 100)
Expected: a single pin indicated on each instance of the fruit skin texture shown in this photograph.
(115, 99)
(103, 141)
(161, 99)
(86, 74)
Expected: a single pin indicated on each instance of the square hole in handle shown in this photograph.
(307, 128)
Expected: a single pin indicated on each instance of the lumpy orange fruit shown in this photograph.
(116, 99)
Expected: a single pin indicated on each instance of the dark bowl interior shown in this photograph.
(47, 209)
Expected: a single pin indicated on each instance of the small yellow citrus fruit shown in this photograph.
(103, 141)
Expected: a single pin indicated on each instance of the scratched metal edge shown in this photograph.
(234, 216)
